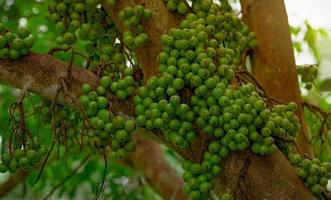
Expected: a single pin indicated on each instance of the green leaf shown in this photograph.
(295, 30)
(311, 39)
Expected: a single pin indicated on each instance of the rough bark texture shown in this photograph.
(42, 75)
(273, 59)
(249, 176)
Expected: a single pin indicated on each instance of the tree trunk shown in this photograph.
(273, 59)
(246, 175)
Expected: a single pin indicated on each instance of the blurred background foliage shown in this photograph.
(123, 182)
(315, 84)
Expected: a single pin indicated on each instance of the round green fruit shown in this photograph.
(69, 38)
(13, 54)
(86, 88)
(23, 32)
(4, 53)
(3, 41)
(122, 135)
(3, 168)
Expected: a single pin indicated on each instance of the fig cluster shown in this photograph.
(15, 44)
(314, 172)
(133, 18)
(23, 158)
(196, 93)
(104, 128)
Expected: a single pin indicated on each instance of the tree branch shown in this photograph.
(12, 182)
(40, 74)
(150, 161)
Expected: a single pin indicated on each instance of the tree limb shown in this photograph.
(12, 182)
(40, 74)
(150, 161)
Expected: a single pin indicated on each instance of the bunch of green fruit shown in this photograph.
(196, 92)
(105, 129)
(23, 158)
(132, 18)
(86, 21)
(13, 45)
(314, 172)
(177, 5)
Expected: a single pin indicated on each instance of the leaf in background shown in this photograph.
(324, 47)
(295, 30)
(311, 38)
(323, 32)
(297, 46)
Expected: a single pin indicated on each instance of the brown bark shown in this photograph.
(42, 75)
(273, 59)
(12, 182)
(150, 161)
(249, 176)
